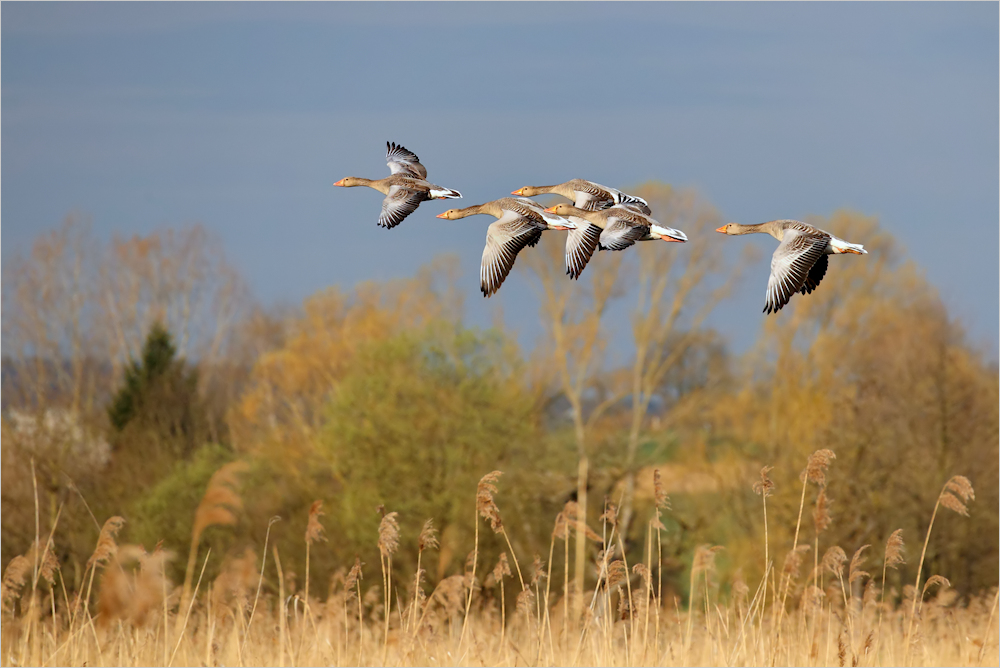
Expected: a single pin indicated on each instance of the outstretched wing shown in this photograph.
(580, 246)
(624, 228)
(398, 204)
(631, 201)
(504, 240)
(403, 161)
(816, 274)
(790, 266)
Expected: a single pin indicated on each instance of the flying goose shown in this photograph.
(622, 226)
(590, 196)
(405, 187)
(520, 222)
(799, 263)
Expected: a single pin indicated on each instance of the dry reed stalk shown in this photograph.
(662, 503)
(893, 557)
(703, 562)
(314, 533)
(280, 607)
(260, 581)
(645, 577)
(426, 541)
(764, 488)
(218, 507)
(821, 521)
(538, 573)
(524, 604)
(814, 472)
(487, 508)
(989, 627)
(353, 582)
(187, 615)
(957, 486)
(560, 529)
(499, 571)
(105, 549)
(631, 602)
(388, 543)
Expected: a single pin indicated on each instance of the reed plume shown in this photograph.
(426, 541)
(14, 577)
(106, 549)
(954, 495)
(218, 507)
(854, 571)
(833, 561)
(814, 472)
(660, 494)
(352, 588)
(134, 589)
(485, 505)
(487, 508)
(388, 543)
(231, 588)
(106, 546)
(821, 511)
(763, 488)
(314, 534)
(816, 466)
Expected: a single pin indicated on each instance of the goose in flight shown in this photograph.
(520, 222)
(589, 196)
(799, 263)
(586, 195)
(620, 227)
(405, 187)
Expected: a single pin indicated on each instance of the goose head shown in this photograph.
(562, 209)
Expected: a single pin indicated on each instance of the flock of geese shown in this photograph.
(600, 217)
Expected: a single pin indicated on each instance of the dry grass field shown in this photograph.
(808, 610)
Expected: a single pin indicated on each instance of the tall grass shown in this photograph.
(831, 616)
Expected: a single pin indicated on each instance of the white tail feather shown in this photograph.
(668, 232)
(841, 246)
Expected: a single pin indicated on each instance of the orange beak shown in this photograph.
(518, 192)
(551, 209)
(440, 215)
(722, 229)
(340, 182)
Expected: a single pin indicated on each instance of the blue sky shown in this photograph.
(242, 115)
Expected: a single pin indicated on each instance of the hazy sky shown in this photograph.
(241, 116)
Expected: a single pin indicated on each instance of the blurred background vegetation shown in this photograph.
(132, 371)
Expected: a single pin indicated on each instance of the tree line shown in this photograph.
(134, 371)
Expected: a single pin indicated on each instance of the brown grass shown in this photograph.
(464, 621)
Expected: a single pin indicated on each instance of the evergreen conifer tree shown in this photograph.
(159, 399)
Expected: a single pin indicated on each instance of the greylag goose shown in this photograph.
(520, 222)
(590, 196)
(799, 263)
(405, 187)
(621, 225)
(586, 195)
